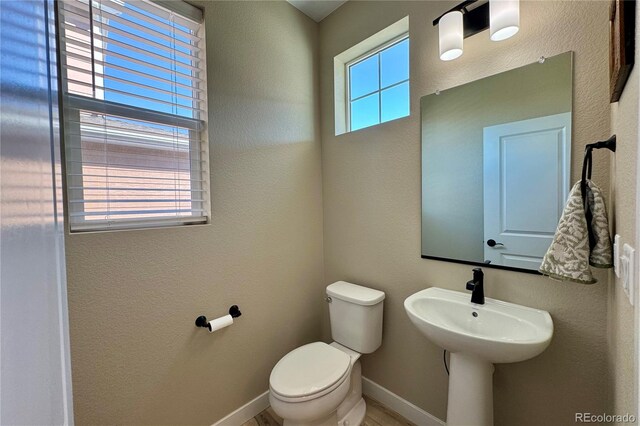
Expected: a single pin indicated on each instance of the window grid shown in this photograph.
(375, 52)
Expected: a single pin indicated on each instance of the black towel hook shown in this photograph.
(609, 144)
(587, 166)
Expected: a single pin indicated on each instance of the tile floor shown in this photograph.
(377, 415)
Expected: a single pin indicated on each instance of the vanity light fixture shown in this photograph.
(504, 18)
(470, 17)
(450, 33)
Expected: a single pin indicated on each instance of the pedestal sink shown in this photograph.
(477, 336)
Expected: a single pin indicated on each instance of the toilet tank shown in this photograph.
(356, 316)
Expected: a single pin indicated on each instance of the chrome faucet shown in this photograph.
(476, 286)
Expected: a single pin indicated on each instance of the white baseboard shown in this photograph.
(246, 412)
(401, 406)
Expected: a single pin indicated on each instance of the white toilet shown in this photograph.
(319, 384)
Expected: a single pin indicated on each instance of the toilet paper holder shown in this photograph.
(202, 321)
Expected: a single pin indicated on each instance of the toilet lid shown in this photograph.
(308, 370)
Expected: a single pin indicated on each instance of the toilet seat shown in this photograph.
(309, 372)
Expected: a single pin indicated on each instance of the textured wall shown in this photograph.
(133, 295)
(371, 187)
(624, 123)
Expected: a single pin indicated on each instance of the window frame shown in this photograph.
(347, 72)
(75, 104)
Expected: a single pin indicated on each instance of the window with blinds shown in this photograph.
(134, 95)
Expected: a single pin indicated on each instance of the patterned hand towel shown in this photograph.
(571, 253)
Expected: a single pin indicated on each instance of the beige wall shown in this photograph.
(133, 296)
(371, 197)
(624, 123)
(452, 125)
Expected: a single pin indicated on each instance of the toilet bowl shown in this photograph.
(320, 384)
(317, 384)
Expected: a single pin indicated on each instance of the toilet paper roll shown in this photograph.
(218, 323)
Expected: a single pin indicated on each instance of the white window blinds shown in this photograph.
(135, 109)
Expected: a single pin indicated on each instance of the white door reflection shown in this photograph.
(526, 183)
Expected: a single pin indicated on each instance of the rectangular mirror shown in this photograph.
(496, 157)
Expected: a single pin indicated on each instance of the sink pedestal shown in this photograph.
(477, 336)
(470, 391)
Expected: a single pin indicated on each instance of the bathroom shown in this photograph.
(98, 325)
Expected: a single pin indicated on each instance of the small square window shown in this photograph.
(378, 85)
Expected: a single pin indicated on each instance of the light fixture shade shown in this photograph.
(504, 18)
(451, 35)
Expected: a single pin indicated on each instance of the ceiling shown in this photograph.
(317, 9)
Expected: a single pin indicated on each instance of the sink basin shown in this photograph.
(498, 332)
(477, 336)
